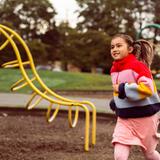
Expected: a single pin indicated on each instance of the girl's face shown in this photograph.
(119, 48)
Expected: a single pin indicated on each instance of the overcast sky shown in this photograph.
(65, 10)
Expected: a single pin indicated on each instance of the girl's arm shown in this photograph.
(144, 88)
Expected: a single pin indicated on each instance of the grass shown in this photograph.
(57, 80)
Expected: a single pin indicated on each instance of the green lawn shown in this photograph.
(57, 80)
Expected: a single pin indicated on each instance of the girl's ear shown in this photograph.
(130, 49)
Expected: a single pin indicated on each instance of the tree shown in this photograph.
(115, 16)
(155, 63)
(96, 46)
(156, 20)
(34, 21)
(39, 51)
(105, 15)
(85, 50)
(30, 18)
(52, 40)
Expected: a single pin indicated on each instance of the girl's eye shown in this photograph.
(119, 46)
(112, 47)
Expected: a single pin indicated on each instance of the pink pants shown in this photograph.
(121, 152)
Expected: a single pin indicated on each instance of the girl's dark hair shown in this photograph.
(142, 49)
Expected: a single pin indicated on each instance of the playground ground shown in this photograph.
(25, 135)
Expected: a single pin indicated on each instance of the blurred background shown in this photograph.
(80, 42)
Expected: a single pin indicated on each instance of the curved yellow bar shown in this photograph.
(17, 84)
(47, 93)
(93, 121)
(5, 43)
(31, 106)
(48, 115)
(8, 63)
(15, 65)
(73, 124)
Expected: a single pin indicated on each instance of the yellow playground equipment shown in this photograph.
(11, 37)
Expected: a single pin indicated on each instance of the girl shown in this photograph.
(136, 101)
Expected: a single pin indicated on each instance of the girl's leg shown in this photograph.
(154, 155)
(151, 153)
(121, 151)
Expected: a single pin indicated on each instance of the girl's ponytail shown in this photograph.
(143, 50)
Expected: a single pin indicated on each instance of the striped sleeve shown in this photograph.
(143, 88)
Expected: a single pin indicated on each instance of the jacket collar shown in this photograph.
(120, 64)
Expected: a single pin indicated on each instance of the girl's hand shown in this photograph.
(115, 87)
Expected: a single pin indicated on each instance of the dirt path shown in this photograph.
(27, 136)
